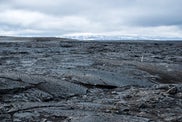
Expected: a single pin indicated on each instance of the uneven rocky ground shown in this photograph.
(54, 80)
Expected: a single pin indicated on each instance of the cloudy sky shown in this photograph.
(62, 17)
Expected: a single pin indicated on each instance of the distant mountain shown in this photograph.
(116, 37)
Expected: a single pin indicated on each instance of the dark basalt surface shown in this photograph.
(54, 80)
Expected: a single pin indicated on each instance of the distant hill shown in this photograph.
(20, 39)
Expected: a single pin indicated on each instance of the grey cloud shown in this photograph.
(162, 13)
(158, 21)
(69, 16)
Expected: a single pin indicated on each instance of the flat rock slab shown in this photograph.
(32, 94)
(62, 89)
(52, 86)
(104, 78)
(8, 85)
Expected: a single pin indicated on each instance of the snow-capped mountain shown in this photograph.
(88, 36)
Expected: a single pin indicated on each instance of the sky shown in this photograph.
(64, 17)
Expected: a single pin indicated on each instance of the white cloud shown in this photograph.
(20, 17)
(40, 22)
